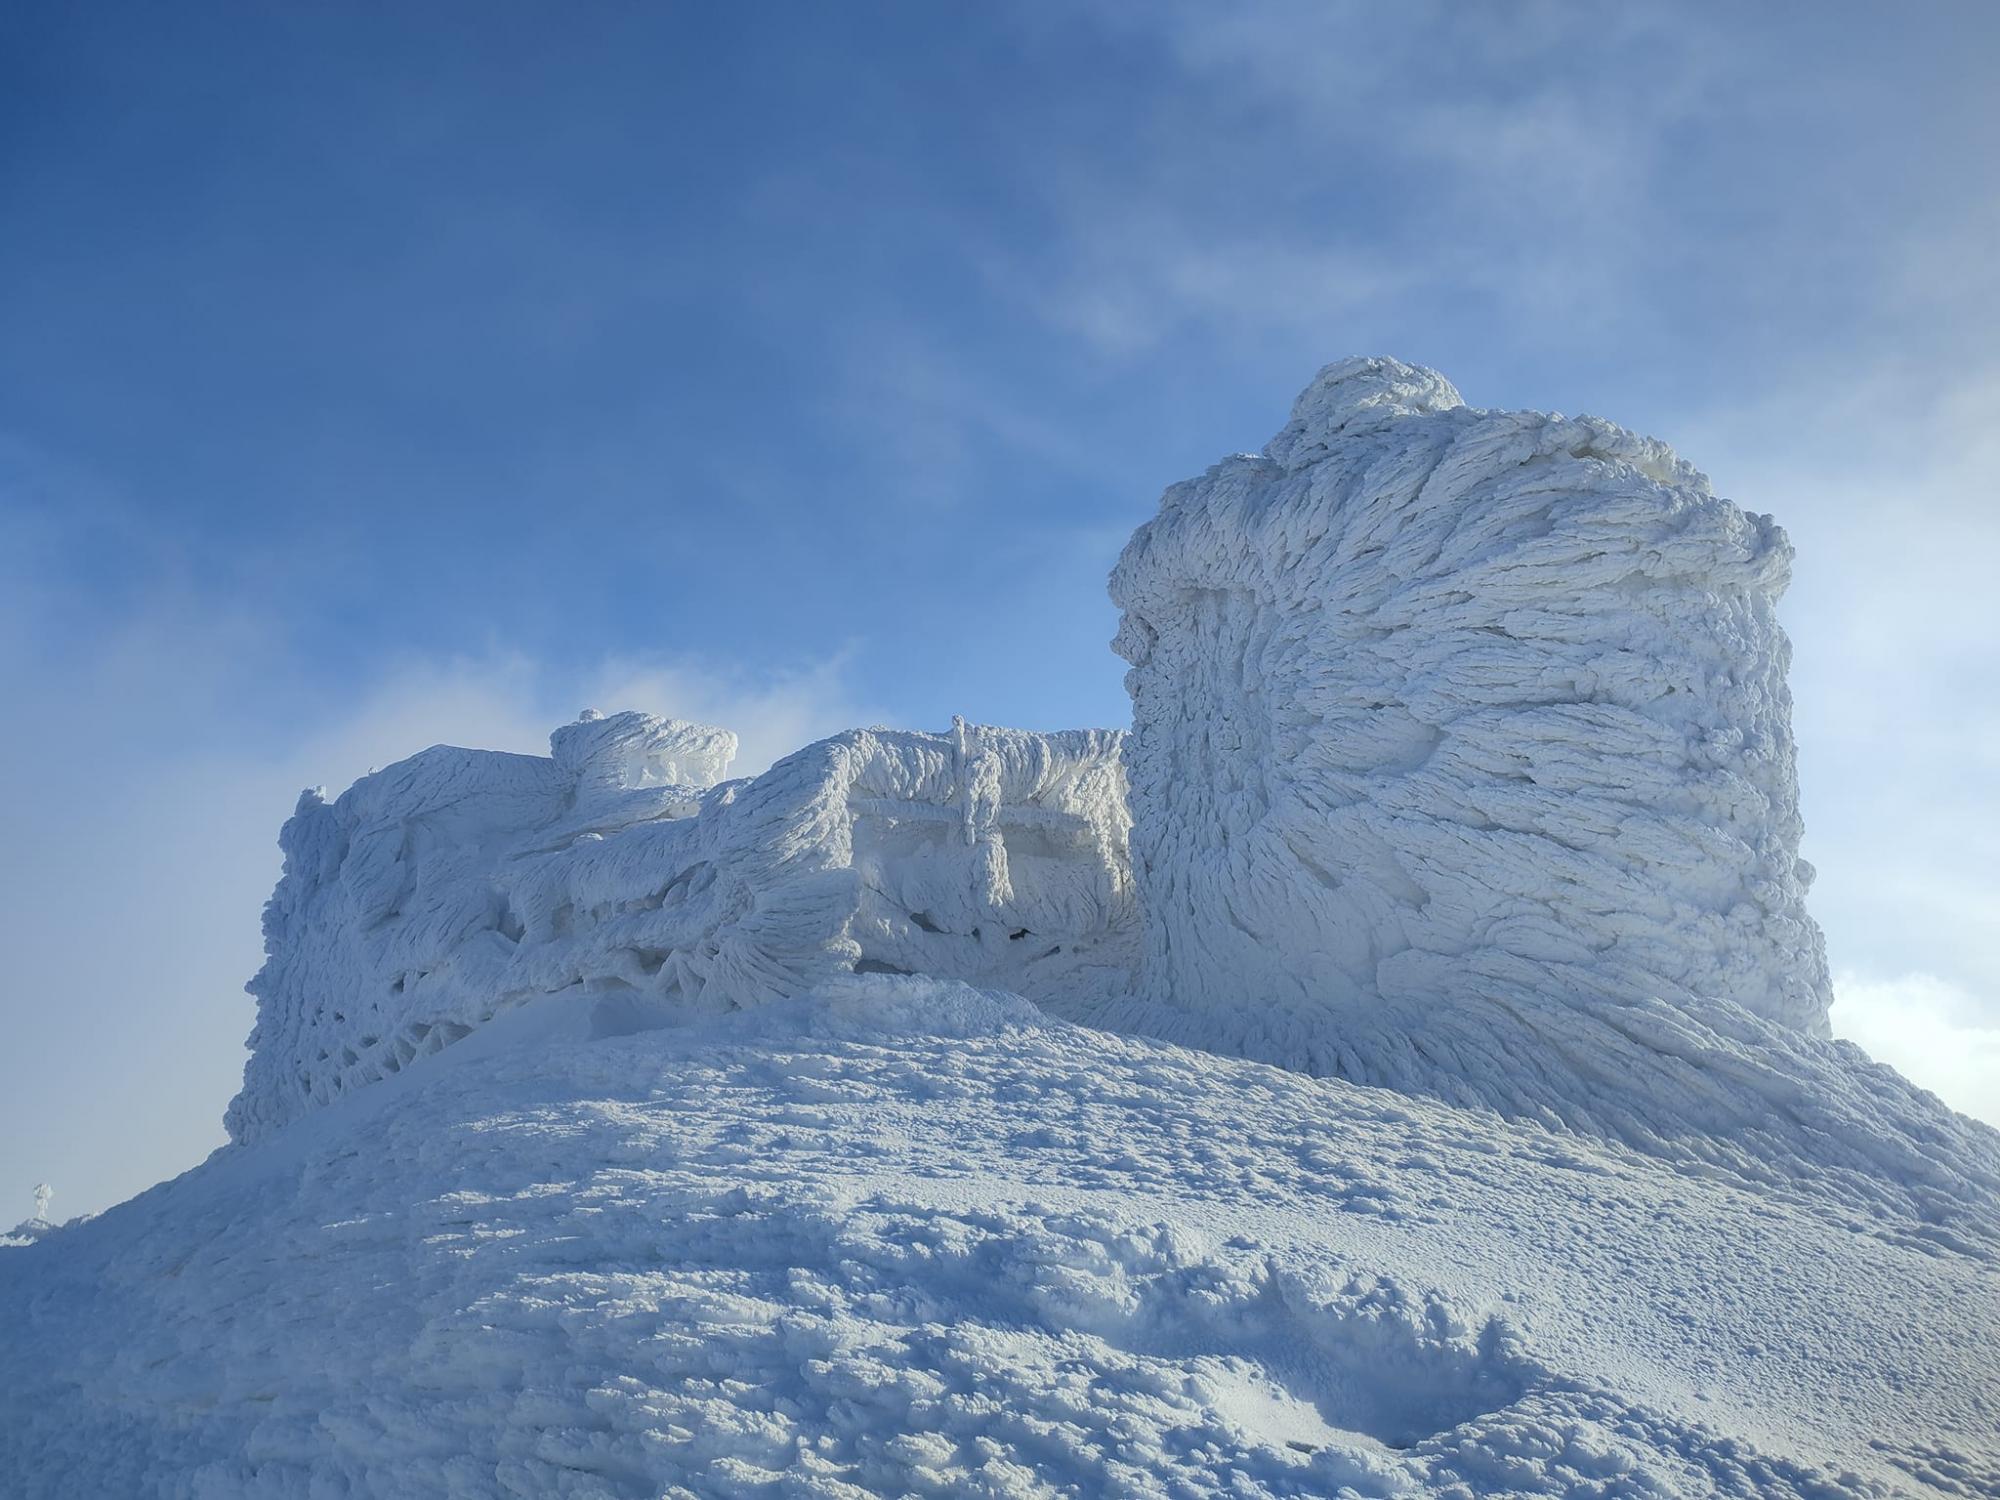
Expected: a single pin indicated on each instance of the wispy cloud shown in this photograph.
(1323, 165)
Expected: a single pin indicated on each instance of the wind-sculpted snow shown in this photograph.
(899, 1237)
(1429, 701)
(1461, 762)
(1461, 765)
(454, 885)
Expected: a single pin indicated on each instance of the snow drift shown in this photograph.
(897, 1237)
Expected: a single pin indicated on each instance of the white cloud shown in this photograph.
(1880, 470)
(1930, 1031)
(1324, 172)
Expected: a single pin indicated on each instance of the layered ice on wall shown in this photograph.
(623, 871)
(1429, 701)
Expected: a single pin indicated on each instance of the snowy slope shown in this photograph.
(903, 1237)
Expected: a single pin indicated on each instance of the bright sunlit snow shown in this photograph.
(904, 1237)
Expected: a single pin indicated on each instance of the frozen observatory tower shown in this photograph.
(1451, 724)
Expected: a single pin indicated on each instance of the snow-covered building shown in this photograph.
(1431, 702)
(623, 872)
(1460, 766)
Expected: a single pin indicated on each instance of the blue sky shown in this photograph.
(372, 376)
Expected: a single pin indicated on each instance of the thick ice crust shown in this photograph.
(459, 883)
(1436, 707)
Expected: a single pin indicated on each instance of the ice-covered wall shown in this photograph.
(1461, 764)
(1445, 718)
(622, 871)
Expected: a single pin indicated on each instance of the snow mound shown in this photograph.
(896, 1236)
(623, 873)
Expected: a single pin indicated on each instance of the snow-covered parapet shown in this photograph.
(1452, 726)
(634, 750)
(622, 871)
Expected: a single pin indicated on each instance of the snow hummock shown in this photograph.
(899, 1236)
(904, 1120)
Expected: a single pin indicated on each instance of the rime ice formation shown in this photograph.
(1429, 701)
(634, 751)
(623, 872)
(1460, 765)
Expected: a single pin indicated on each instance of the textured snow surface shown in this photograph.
(903, 1237)
(625, 874)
